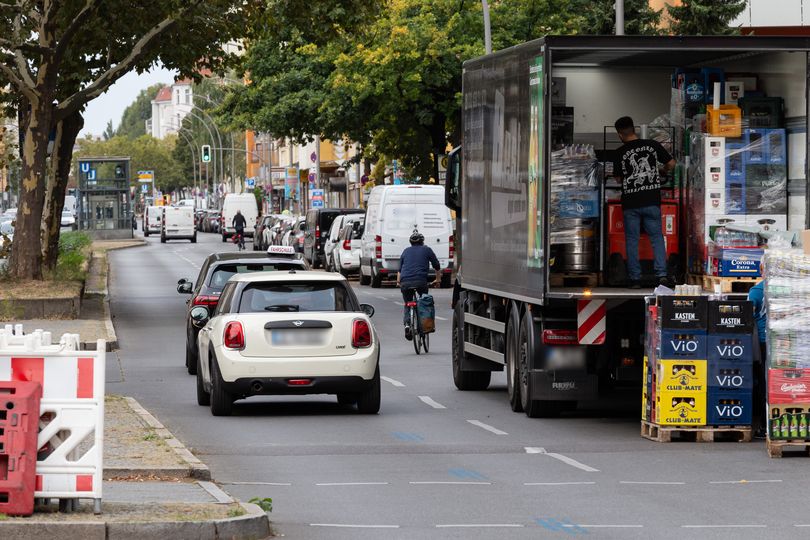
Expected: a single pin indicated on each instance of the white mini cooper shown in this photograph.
(287, 333)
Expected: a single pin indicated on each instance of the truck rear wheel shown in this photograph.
(512, 364)
(376, 279)
(464, 380)
(528, 349)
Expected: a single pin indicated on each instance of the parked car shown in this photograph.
(346, 255)
(67, 219)
(199, 219)
(295, 236)
(244, 202)
(216, 270)
(263, 222)
(11, 212)
(331, 239)
(177, 223)
(287, 333)
(318, 222)
(278, 230)
(152, 217)
(393, 212)
(212, 219)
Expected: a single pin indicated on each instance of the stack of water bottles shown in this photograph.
(735, 254)
(787, 293)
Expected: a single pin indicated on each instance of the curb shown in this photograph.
(196, 468)
(253, 525)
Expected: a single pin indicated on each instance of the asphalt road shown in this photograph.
(436, 462)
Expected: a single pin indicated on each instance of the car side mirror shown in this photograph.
(200, 315)
(184, 287)
(368, 309)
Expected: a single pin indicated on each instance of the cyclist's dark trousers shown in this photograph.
(241, 234)
(408, 296)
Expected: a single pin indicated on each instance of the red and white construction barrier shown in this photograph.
(70, 444)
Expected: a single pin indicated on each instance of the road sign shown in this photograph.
(146, 176)
(144, 188)
(206, 153)
(84, 166)
(316, 198)
(250, 183)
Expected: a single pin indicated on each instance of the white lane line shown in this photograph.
(654, 483)
(487, 427)
(724, 526)
(398, 303)
(350, 526)
(747, 482)
(802, 525)
(256, 483)
(450, 483)
(189, 261)
(353, 484)
(441, 318)
(604, 526)
(428, 401)
(473, 525)
(565, 459)
(380, 297)
(559, 483)
(392, 381)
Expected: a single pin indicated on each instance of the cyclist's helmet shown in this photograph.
(417, 238)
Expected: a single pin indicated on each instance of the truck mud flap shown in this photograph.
(550, 385)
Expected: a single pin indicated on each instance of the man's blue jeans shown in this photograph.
(650, 218)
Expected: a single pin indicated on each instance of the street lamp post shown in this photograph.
(219, 139)
(488, 28)
(619, 17)
(211, 133)
(209, 99)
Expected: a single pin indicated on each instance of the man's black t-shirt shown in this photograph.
(239, 222)
(637, 165)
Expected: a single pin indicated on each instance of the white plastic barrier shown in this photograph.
(70, 445)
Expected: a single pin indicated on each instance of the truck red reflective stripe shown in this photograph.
(591, 322)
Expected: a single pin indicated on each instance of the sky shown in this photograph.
(111, 104)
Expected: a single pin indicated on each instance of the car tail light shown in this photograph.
(301, 241)
(452, 246)
(347, 244)
(378, 247)
(361, 334)
(317, 231)
(299, 382)
(204, 300)
(560, 337)
(234, 337)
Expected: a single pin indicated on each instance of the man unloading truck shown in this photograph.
(639, 164)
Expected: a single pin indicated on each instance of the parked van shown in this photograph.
(392, 214)
(152, 217)
(178, 223)
(318, 223)
(246, 202)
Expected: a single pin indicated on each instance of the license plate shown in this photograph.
(565, 358)
(298, 338)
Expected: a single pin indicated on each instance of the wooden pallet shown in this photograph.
(796, 448)
(573, 280)
(665, 434)
(727, 284)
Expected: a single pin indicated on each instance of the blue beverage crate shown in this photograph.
(729, 408)
(730, 376)
(683, 344)
(733, 347)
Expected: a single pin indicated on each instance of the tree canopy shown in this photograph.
(705, 17)
(133, 120)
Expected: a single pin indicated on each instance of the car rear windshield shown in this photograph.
(293, 297)
(224, 272)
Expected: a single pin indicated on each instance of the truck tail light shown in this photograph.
(234, 336)
(205, 300)
(361, 334)
(560, 337)
(452, 247)
(347, 244)
(317, 231)
(378, 247)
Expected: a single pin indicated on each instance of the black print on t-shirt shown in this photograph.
(638, 163)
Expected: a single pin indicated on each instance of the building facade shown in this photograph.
(169, 108)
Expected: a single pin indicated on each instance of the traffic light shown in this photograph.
(206, 153)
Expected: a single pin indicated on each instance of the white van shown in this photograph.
(177, 222)
(392, 214)
(246, 202)
(151, 220)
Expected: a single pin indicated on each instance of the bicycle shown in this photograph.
(421, 340)
(239, 240)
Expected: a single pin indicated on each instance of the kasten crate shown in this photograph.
(730, 376)
(734, 347)
(731, 317)
(683, 312)
(683, 344)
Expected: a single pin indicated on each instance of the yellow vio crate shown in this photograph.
(680, 409)
(686, 377)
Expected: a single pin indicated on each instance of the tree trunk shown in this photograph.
(61, 159)
(26, 251)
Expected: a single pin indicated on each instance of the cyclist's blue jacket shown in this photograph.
(414, 264)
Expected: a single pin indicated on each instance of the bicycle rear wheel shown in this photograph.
(425, 338)
(417, 337)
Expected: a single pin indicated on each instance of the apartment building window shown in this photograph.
(254, 157)
(188, 96)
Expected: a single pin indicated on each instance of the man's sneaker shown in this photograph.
(408, 335)
(633, 284)
(666, 281)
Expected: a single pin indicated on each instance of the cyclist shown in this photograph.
(239, 223)
(414, 265)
